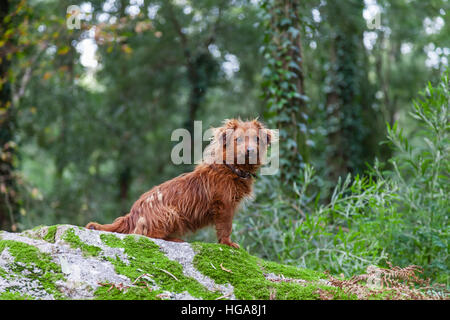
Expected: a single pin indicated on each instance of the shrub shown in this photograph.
(398, 215)
(421, 172)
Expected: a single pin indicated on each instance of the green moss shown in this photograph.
(210, 257)
(234, 266)
(246, 274)
(290, 290)
(146, 258)
(111, 240)
(37, 228)
(133, 293)
(3, 273)
(75, 242)
(50, 235)
(46, 233)
(14, 296)
(39, 265)
(291, 271)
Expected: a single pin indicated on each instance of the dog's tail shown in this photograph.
(123, 224)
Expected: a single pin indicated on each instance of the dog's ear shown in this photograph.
(271, 135)
(231, 123)
(222, 135)
(257, 124)
(268, 135)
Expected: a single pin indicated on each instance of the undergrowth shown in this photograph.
(397, 211)
(393, 283)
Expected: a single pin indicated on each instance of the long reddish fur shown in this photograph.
(209, 195)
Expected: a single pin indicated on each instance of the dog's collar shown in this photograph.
(240, 173)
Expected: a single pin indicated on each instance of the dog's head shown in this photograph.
(240, 142)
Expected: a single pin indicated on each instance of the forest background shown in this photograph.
(358, 89)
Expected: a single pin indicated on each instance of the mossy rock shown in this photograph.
(69, 262)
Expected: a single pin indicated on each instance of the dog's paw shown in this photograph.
(234, 245)
(230, 243)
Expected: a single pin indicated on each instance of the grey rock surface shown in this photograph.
(79, 274)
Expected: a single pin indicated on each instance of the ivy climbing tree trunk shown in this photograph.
(284, 84)
(342, 111)
(348, 99)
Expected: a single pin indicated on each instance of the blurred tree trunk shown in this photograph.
(336, 161)
(202, 69)
(349, 99)
(343, 125)
(124, 184)
(294, 63)
(8, 190)
(198, 87)
(389, 109)
(125, 170)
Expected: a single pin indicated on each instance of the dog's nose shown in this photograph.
(250, 150)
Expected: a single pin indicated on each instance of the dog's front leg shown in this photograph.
(223, 219)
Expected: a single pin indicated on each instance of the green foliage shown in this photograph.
(421, 171)
(399, 216)
(107, 130)
(341, 236)
(81, 144)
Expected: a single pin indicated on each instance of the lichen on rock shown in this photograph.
(70, 262)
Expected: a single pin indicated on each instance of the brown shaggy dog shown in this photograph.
(208, 195)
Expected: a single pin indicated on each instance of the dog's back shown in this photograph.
(208, 195)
